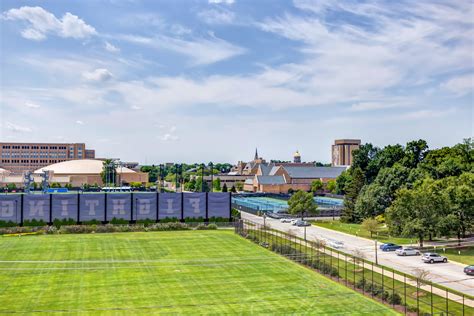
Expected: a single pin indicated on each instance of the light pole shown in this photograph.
(376, 253)
(304, 233)
(264, 221)
(202, 177)
(212, 176)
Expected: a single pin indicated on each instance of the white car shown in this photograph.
(293, 221)
(407, 252)
(285, 220)
(431, 257)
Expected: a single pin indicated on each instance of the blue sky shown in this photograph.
(191, 81)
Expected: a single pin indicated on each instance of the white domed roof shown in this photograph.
(80, 166)
(4, 171)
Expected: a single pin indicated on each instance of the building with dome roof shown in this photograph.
(75, 173)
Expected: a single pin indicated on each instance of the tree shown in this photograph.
(302, 202)
(365, 158)
(353, 188)
(224, 187)
(372, 201)
(417, 212)
(415, 152)
(55, 185)
(331, 186)
(191, 185)
(371, 225)
(316, 185)
(239, 186)
(201, 186)
(233, 190)
(109, 172)
(342, 182)
(217, 184)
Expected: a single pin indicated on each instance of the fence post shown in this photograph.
(447, 303)
(405, 291)
(354, 270)
(345, 268)
(393, 287)
(431, 298)
(363, 276)
(338, 265)
(372, 292)
(383, 288)
(417, 297)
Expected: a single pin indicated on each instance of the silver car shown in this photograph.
(431, 257)
(285, 220)
(407, 252)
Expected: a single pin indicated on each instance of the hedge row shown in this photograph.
(107, 228)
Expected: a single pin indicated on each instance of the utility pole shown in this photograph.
(212, 176)
(202, 177)
(376, 254)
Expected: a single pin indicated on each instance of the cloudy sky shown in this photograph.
(210, 80)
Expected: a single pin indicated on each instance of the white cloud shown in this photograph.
(42, 22)
(221, 1)
(201, 51)
(378, 105)
(460, 85)
(78, 122)
(32, 105)
(169, 137)
(135, 107)
(98, 75)
(17, 128)
(111, 48)
(217, 16)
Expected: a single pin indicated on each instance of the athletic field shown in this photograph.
(186, 272)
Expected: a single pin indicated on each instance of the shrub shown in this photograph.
(146, 222)
(61, 222)
(119, 221)
(7, 224)
(34, 223)
(206, 227)
(169, 219)
(394, 299)
(194, 219)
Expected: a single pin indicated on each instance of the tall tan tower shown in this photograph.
(342, 151)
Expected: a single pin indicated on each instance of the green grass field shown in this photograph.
(357, 230)
(189, 272)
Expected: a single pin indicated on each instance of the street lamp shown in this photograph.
(264, 221)
(211, 165)
(376, 253)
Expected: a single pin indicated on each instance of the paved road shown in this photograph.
(448, 274)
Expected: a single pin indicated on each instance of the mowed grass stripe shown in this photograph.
(191, 272)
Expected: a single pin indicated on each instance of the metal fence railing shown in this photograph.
(403, 292)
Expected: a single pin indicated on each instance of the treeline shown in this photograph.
(416, 191)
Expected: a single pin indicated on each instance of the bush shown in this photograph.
(34, 223)
(119, 221)
(7, 224)
(394, 299)
(206, 227)
(146, 222)
(61, 222)
(194, 219)
(169, 219)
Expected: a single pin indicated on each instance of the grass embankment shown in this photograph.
(179, 272)
(357, 230)
(352, 273)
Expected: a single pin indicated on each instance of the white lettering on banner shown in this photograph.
(36, 208)
(118, 207)
(64, 204)
(195, 204)
(143, 206)
(7, 209)
(91, 204)
(170, 206)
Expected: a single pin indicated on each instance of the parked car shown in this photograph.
(407, 252)
(293, 221)
(390, 247)
(301, 223)
(431, 257)
(469, 270)
(285, 220)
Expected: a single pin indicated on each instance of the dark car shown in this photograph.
(469, 270)
(390, 247)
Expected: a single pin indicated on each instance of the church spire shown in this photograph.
(256, 153)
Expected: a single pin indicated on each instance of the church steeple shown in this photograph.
(256, 154)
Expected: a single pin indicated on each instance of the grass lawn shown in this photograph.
(464, 255)
(189, 272)
(357, 230)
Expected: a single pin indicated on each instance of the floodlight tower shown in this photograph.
(27, 181)
(45, 181)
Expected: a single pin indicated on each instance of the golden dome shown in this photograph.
(297, 154)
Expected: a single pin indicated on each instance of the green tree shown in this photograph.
(316, 185)
(331, 186)
(217, 184)
(109, 172)
(353, 188)
(417, 212)
(415, 152)
(11, 186)
(224, 187)
(233, 189)
(239, 186)
(364, 158)
(302, 202)
(201, 186)
(55, 185)
(372, 201)
(371, 225)
(342, 182)
(191, 185)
